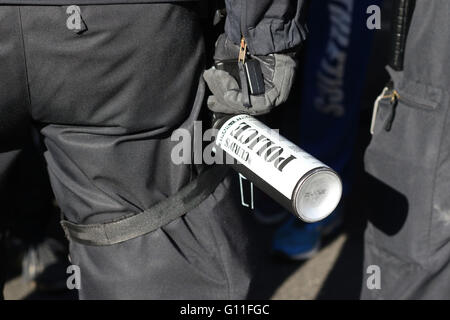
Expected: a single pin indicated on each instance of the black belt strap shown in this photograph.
(164, 212)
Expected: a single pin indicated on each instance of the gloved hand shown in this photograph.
(278, 72)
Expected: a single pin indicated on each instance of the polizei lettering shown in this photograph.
(237, 150)
(263, 146)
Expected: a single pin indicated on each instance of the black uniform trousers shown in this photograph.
(106, 98)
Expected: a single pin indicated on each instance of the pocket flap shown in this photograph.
(414, 93)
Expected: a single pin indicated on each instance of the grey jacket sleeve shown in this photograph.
(269, 26)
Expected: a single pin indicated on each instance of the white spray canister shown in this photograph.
(298, 181)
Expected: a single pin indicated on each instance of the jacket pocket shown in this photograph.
(403, 157)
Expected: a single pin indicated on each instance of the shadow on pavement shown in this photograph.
(270, 272)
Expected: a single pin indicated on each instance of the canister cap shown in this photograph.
(317, 195)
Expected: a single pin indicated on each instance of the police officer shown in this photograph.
(407, 242)
(107, 82)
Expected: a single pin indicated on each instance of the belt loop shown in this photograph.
(375, 109)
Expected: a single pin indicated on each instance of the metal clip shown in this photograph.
(251, 205)
(375, 108)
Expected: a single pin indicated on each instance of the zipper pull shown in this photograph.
(394, 101)
(243, 75)
(243, 51)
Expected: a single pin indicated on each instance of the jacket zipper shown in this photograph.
(243, 24)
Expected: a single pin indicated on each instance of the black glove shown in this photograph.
(278, 71)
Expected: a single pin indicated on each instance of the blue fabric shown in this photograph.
(295, 238)
(333, 80)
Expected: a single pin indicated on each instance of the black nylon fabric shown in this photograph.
(408, 236)
(269, 26)
(159, 215)
(13, 90)
(106, 101)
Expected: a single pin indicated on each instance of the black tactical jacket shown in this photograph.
(268, 25)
